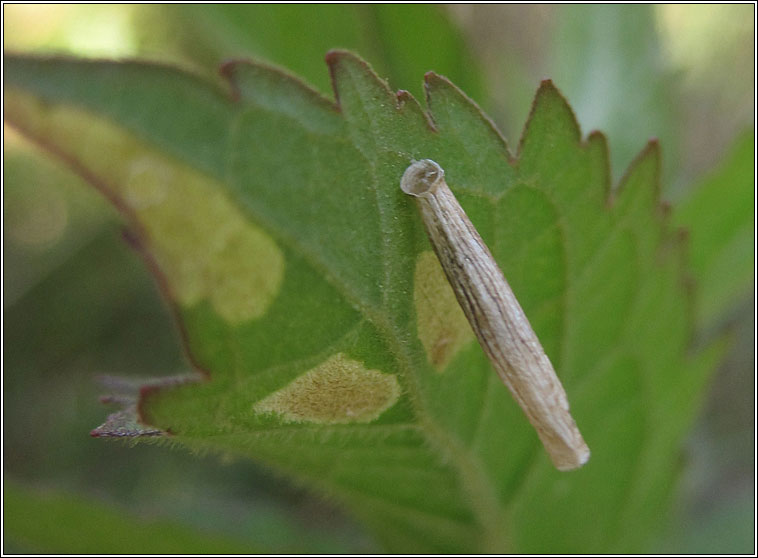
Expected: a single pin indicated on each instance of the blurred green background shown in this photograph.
(77, 302)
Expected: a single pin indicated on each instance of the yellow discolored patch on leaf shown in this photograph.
(204, 246)
(442, 327)
(338, 391)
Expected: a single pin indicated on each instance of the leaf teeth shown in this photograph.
(404, 96)
(344, 64)
(272, 87)
(129, 394)
(125, 424)
(547, 101)
(433, 81)
(227, 71)
(597, 141)
(407, 103)
(645, 169)
(441, 92)
(546, 217)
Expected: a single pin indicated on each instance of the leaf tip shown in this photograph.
(597, 141)
(597, 136)
(650, 154)
(648, 160)
(333, 55)
(547, 83)
(548, 104)
(336, 57)
(433, 80)
(436, 82)
(547, 88)
(430, 77)
(653, 146)
(344, 62)
(404, 96)
(406, 102)
(227, 70)
(437, 86)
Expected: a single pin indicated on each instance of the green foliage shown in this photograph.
(726, 531)
(608, 60)
(274, 222)
(54, 523)
(718, 215)
(402, 41)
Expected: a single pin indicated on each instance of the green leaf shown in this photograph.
(55, 522)
(719, 217)
(607, 58)
(725, 529)
(305, 288)
(403, 41)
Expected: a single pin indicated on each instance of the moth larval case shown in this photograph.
(495, 315)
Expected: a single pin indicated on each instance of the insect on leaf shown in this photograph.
(332, 349)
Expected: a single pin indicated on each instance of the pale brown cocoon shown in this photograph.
(495, 315)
